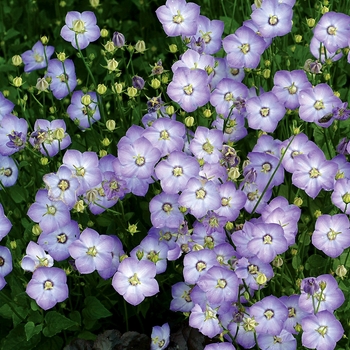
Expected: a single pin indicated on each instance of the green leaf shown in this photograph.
(86, 335)
(56, 323)
(18, 194)
(316, 264)
(55, 343)
(32, 329)
(11, 33)
(16, 339)
(94, 309)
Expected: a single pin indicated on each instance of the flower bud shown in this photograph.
(59, 134)
(311, 22)
(266, 73)
(298, 38)
(86, 100)
(173, 48)
(106, 142)
(13, 245)
(324, 10)
(327, 76)
(101, 89)
(189, 121)
(118, 88)
(118, 39)
(132, 229)
(298, 201)
(102, 153)
(138, 82)
(94, 3)
(79, 206)
(17, 60)
(317, 213)
(109, 46)
(341, 271)
(17, 82)
(36, 230)
(261, 279)
(140, 46)
(155, 83)
(61, 56)
(131, 92)
(44, 40)
(207, 113)
(42, 84)
(165, 79)
(110, 124)
(170, 110)
(104, 34)
(44, 161)
(277, 261)
(229, 226)
(112, 65)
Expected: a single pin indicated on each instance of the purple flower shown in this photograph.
(37, 57)
(200, 197)
(49, 214)
(220, 346)
(83, 115)
(210, 32)
(320, 52)
(273, 18)
(220, 284)
(321, 331)
(153, 250)
(49, 137)
(35, 257)
(206, 320)
(309, 285)
(333, 30)
(328, 297)
(299, 145)
(6, 106)
(207, 144)
(287, 86)
(341, 195)
(166, 135)
(5, 223)
(181, 297)
(295, 313)
(135, 280)
(5, 265)
(160, 337)
(226, 94)
(85, 167)
(62, 186)
(270, 314)
(317, 104)
(175, 171)
(57, 242)
(8, 171)
(48, 287)
(138, 159)
(116, 252)
(80, 29)
(244, 48)
(138, 82)
(264, 112)
(332, 234)
(165, 211)
(13, 134)
(283, 340)
(313, 173)
(197, 263)
(63, 77)
(189, 88)
(91, 251)
(178, 17)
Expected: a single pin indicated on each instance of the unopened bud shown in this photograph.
(189, 121)
(61, 56)
(131, 92)
(298, 38)
(170, 110)
(17, 82)
(36, 230)
(104, 33)
(101, 89)
(207, 113)
(311, 22)
(112, 65)
(44, 40)
(17, 60)
(106, 142)
(341, 271)
(140, 46)
(79, 206)
(102, 153)
(86, 100)
(110, 124)
(109, 46)
(155, 83)
(173, 48)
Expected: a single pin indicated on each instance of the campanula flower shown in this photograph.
(48, 287)
(80, 29)
(5, 265)
(37, 57)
